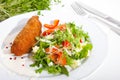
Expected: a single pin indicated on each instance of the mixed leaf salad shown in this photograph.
(59, 47)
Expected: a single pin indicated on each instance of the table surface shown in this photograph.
(109, 70)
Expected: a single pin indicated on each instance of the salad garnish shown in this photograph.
(59, 47)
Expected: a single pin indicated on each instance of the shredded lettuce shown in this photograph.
(83, 53)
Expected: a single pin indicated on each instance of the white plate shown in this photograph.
(9, 27)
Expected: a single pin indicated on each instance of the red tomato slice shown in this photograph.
(47, 32)
(66, 43)
(81, 41)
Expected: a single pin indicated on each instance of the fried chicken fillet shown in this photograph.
(26, 38)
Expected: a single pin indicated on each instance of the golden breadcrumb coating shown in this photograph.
(26, 38)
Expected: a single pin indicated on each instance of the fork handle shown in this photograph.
(112, 20)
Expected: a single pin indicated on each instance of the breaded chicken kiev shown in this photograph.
(26, 38)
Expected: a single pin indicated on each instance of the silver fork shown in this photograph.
(80, 11)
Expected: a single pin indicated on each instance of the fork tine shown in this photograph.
(78, 9)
